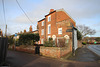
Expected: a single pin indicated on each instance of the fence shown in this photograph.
(3, 49)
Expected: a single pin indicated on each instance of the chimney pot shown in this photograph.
(51, 10)
(30, 29)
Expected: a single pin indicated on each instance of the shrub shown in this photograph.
(10, 40)
(49, 43)
(62, 42)
(28, 39)
(84, 43)
(79, 35)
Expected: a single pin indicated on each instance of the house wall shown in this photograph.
(59, 19)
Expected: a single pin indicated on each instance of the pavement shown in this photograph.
(84, 55)
(21, 59)
(95, 49)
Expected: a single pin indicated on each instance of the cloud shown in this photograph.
(76, 8)
(36, 10)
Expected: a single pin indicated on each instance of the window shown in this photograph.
(42, 23)
(49, 37)
(42, 32)
(49, 28)
(49, 18)
(59, 30)
(42, 40)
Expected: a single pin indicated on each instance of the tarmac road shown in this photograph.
(95, 49)
(20, 59)
(85, 55)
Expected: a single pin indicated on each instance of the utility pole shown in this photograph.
(6, 31)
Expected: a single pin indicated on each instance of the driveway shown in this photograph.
(20, 59)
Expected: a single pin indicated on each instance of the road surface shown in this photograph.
(84, 55)
(20, 59)
(95, 49)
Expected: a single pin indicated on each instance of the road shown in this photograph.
(20, 59)
(95, 49)
(84, 55)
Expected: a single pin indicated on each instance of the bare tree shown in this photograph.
(85, 30)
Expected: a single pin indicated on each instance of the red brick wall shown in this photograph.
(55, 52)
(40, 28)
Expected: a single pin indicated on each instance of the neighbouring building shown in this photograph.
(1, 33)
(30, 31)
(25, 32)
(54, 26)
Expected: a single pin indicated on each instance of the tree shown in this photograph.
(98, 39)
(10, 40)
(85, 30)
(79, 35)
(36, 37)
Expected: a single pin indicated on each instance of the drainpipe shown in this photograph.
(73, 47)
(56, 27)
(45, 28)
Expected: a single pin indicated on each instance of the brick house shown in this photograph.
(54, 25)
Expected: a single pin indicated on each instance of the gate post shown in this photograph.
(3, 49)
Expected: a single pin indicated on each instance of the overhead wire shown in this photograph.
(4, 11)
(23, 11)
(4, 17)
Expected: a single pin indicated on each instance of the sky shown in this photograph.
(84, 12)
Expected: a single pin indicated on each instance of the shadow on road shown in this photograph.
(16, 59)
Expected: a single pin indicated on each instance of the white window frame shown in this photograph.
(42, 23)
(59, 30)
(42, 32)
(42, 41)
(49, 18)
(49, 29)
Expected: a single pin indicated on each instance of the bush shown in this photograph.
(10, 40)
(28, 39)
(49, 43)
(62, 42)
(79, 35)
(84, 43)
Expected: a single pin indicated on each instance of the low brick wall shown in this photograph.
(55, 52)
(28, 50)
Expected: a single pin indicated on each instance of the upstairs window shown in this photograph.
(42, 23)
(49, 28)
(42, 32)
(59, 30)
(49, 18)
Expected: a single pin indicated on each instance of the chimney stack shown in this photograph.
(24, 31)
(30, 29)
(51, 10)
(21, 32)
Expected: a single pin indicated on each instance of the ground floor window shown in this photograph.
(42, 41)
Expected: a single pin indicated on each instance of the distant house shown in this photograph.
(54, 26)
(90, 39)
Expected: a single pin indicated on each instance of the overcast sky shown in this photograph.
(82, 11)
